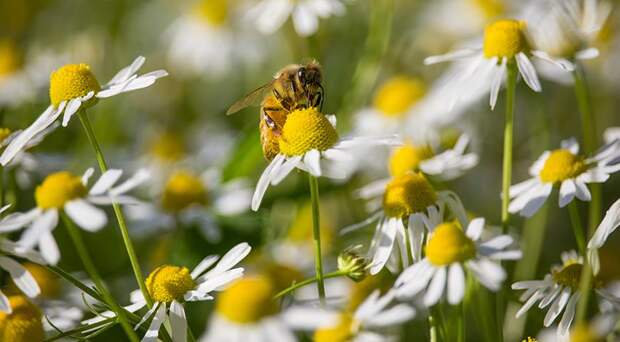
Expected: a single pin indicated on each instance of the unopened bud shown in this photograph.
(353, 264)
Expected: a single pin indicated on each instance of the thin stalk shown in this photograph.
(89, 265)
(316, 232)
(511, 86)
(575, 220)
(408, 245)
(309, 281)
(75, 282)
(133, 258)
(2, 187)
(432, 328)
(70, 333)
(460, 323)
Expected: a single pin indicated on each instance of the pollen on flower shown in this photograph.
(248, 300)
(23, 324)
(529, 339)
(449, 244)
(182, 190)
(568, 275)
(490, 8)
(4, 133)
(215, 12)
(167, 147)
(407, 158)
(305, 130)
(505, 38)
(407, 194)
(342, 332)
(48, 282)
(167, 283)
(59, 188)
(72, 81)
(398, 94)
(10, 58)
(561, 165)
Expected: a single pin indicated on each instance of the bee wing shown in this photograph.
(254, 98)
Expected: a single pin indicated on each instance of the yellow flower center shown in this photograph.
(168, 147)
(569, 275)
(214, 12)
(561, 165)
(584, 333)
(4, 133)
(398, 94)
(490, 8)
(59, 188)
(407, 158)
(72, 81)
(300, 231)
(407, 194)
(342, 332)
(10, 58)
(167, 283)
(248, 300)
(48, 282)
(182, 190)
(449, 244)
(23, 324)
(529, 339)
(305, 130)
(505, 38)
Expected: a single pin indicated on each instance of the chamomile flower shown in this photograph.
(64, 192)
(309, 142)
(74, 86)
(448, 251)
(23, 324)
(20, 276)
(559, 291)
(171, 287)
(246, 311)
(409, 206)
(270, 15)
(484, 67)
(367, 323)
(203, 40)
(566, 168)
(193, 199)
(610, 223)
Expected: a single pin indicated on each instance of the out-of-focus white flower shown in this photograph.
(564, 167)
(450, 249)
(610, 223)
(270, 15)
(63, 192)
(72, 87)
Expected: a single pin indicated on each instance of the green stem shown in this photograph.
(75, 282)
(461, 323)
(2, 187)
(303, 283)
(511, 86)
(89, 265)
(133, 258)
(80, 329)
(408, 245)
(316, 232)
(575, 220)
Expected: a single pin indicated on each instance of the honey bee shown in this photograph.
(294, 87)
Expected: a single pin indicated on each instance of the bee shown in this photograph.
(294, 87)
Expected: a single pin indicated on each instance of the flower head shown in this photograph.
(59, 188)
(408, 158)
(408, 194)
(11, 59)
(215, 12)
(73, 81)
(182, 190)
(306, 130)
(448, 245)
(248, 300)
(505, 38)
(167, 283)
(24, 324)
(353, 264)
(397, 95)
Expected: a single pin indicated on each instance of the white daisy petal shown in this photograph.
(528, 72)
(158, 319)
(5, 305)
(450, 56)
(178, 322)
(137, 179)
(47, 221)
(231, 258)
(475, 228)
(569, 314)
(312, 159)
(558, 305)
(203, 265)
(286, 168)
(496, 83)
(106, 181)
(456, 284)
(385, 244)
(305, 22)
(435, 288)
(72, 107)
(86, 215)
(567, 192)
(21, 277)
(49, 248)
(264, 181)
(537, 199)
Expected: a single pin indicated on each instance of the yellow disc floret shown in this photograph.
(72, 81)
(342, 332)
(561, 165)
(59, 188)
(398, 94)
(505, 38)
(167, 147)
(407, 194)
(568, 275)
(167, 283)
(10, 58)
(305, 130)
(585, 333)
(408, 158)
(23, 324)
(449, 244)
(490, 8)
(248, 300)
(4, 133)
(182, 190)
(48, 282)
(214, 12)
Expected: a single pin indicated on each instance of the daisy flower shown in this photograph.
(309, 142)
(409, 205)
(74, 86)
(193, 199)
(24, 323)
(559, 291)
(270, 15)
(610, 223)
(171, 287)
(63, 192)
(246, 311)
(448, 251)
(484, 67)
(205, 41)
(566, 168)
(366, 324)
